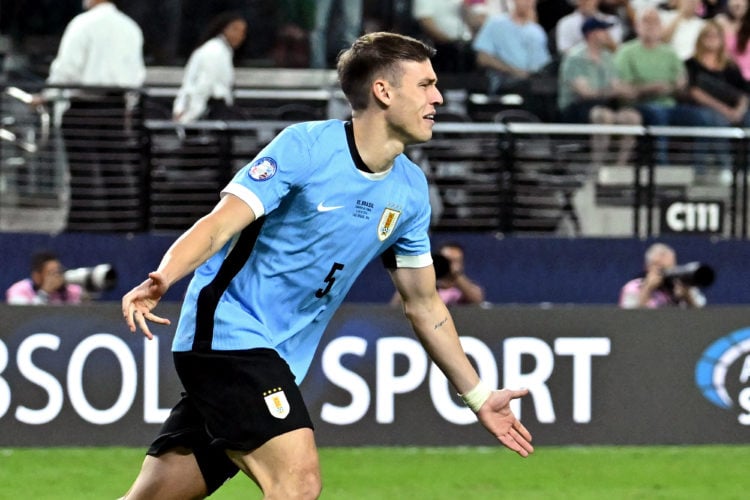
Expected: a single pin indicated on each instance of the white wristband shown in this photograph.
(477, 396)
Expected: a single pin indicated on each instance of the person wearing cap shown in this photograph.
(568, 29)
(589, 90)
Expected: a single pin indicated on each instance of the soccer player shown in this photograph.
(274, 260)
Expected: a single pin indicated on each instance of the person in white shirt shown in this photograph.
(101, 46)
(102, 50)
(206, 90)
(682, 27)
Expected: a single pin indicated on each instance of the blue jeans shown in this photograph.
(658, 115)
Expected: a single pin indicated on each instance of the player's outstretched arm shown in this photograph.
(496, 416)
(192, 248)
(435, 329)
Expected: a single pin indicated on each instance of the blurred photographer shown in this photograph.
(47, 284)
(453, 286)
(655, 288)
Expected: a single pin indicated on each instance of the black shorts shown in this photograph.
(234, 400)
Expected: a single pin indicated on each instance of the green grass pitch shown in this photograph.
(592, 472)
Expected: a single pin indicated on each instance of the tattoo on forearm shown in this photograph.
(441, 323)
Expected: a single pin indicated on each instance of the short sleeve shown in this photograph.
(266, 180)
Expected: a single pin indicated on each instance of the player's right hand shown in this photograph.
(138, 303)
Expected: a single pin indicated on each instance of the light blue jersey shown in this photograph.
(322, 217)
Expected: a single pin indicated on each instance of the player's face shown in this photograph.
(414, 102)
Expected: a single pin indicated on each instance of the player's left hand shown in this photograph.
(497, 418)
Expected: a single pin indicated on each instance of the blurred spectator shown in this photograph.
(46, 284)
(443, 24)
(568, 29)
(730, 17)
(206, 90)
(453, 286)
(590, 90)
(101, 47)
(736, 23)
(715, 83)
(655, 73)
(512, 48)
(652, 290)
(681, 27)
(347, 31)
(716, 96)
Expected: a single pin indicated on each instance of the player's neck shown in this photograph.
(375, 147)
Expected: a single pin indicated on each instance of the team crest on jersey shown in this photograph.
(262, 169)
(276, 402)
(387, 223)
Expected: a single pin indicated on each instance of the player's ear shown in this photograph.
(381, 91)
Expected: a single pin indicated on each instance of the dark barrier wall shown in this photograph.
(597, 375)
(513, 270)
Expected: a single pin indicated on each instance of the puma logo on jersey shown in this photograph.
(323, 208)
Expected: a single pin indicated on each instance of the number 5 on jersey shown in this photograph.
(329, 280)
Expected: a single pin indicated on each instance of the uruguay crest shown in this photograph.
(276, 402)
(387, 223)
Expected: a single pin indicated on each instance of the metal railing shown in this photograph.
(511, 175)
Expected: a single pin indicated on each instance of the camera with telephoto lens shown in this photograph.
(99, 278)
(691, 274)
(442, 266)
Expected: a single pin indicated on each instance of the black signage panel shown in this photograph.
(75, 376)
(691, 216)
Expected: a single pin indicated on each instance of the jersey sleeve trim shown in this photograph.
(414, 261)
(247, 196)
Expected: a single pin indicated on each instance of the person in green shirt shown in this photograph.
(655, 73)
